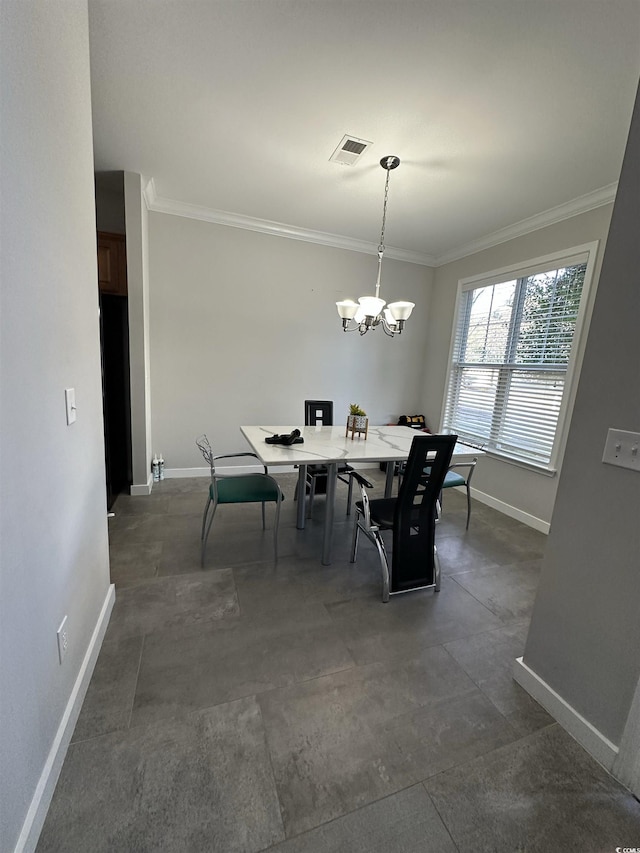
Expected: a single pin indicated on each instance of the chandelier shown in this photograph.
(370, 312)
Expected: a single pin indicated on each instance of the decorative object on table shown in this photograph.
(411, 516)
(414, 421)
(287, 439)
(371, 312)
(237, 489)
(357, 422)
(320, 413)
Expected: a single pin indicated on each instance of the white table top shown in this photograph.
(329, 444)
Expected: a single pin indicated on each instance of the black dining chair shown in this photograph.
(411, 517)
(320, 413)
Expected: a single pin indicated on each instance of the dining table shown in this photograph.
(332, 446)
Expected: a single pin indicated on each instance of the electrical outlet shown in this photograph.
(63, 639)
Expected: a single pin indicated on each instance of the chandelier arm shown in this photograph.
(386, 329)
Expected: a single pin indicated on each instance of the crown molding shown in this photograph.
(279, 229)
(582, 204)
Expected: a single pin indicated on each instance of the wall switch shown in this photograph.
(622, 448)
(70, 402)
(63, 640)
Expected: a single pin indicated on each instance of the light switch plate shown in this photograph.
(622, 448)
(70, 402)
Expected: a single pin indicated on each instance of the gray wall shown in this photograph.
(584, 639)
(136, 221)
(53, 529)
(244, 328)
(110, 202)
(530, 492)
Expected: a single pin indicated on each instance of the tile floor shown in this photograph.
(254, 706)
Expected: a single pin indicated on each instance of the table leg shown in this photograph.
(332, 476)
(388, 482)
(302, 496)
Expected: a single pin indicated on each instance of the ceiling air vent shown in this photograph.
(349, 151)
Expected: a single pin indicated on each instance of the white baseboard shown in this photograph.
(41, 800)
(179, 473)
(578, 727)
(511, 511)
(138, 489)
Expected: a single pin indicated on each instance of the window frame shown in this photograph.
(586, 253)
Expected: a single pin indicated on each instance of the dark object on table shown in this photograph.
(287, 439)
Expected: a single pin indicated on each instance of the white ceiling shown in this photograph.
(498, 109)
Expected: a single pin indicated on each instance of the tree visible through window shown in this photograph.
(512, 348)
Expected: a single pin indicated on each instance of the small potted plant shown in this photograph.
(357, 421)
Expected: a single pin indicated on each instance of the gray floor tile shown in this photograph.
(506, 543)
(456, 554)
(180, 556)
(540, 794)
(332, 740)
(294, 581)
(134, 562)
(167, 602)
(508, 590)
(182, 670)
(406, 822)
(488, 659)
(376, 631)
(109, 699)
(126, 505)
(231, 703)
(196, 785)
(447, 733)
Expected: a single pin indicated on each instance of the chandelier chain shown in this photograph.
(384, 213)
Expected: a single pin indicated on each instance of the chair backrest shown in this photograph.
(207, 451)
(318, 412)
(415, 511)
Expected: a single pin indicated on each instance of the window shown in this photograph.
(512, 352)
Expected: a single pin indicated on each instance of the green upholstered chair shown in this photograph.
(453, 478)
(236, 489)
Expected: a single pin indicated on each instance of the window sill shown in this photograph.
(521, 463)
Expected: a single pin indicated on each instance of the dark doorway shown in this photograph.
(114, 339)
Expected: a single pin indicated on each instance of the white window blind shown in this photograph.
(511, 350)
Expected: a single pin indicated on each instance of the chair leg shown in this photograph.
(384, 564)
(206, 535)
(468, 505)
(437, 571)
(356, 535)
(264, 520)
(275, 529)
(349, 494)
(204, 517)
(312, 493)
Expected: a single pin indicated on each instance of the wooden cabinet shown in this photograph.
(112, 263)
